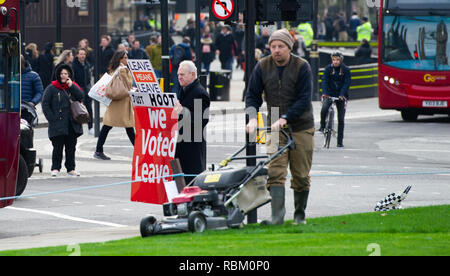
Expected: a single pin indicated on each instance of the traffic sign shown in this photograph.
(223, 10)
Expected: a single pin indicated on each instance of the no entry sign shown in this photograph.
(223, 9)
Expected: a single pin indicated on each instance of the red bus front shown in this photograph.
(414, 57)
(9, 99)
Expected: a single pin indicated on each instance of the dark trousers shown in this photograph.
(87, 101)
(341, 107)
(67, 142)
(227, 63)
(104, 133)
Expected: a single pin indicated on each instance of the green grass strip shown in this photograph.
(411, 232)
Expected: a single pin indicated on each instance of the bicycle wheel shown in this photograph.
(329, 129)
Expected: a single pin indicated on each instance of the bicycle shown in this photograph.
(329, 123)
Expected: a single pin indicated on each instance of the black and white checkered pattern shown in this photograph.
(392, 201)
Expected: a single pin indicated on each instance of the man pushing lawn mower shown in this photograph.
(218, 199)
(286, 81)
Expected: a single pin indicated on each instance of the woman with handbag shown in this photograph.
(63, 130)
(120, 112)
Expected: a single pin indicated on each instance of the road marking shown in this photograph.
(66, 217)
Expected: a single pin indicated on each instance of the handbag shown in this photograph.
(79, 111)
(117, 88)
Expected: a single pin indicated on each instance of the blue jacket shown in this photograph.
(32, 88)
(186, 47)
(336, 82)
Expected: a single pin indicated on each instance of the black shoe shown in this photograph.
(321, 129)
(340, 145)
(101, 155)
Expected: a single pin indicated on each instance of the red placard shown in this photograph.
(154, 148)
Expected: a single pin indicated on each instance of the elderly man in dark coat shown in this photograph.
(193, 111)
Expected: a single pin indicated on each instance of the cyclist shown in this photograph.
(335, 83)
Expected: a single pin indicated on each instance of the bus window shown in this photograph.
(2, 80)
(14, 74)
(417, 42)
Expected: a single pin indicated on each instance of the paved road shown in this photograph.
(382, 154)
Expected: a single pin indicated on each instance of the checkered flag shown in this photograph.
(392, 201)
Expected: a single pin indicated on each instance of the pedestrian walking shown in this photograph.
(84, 44)
(32, 56)
(31, 84)
(364, 31)
(208, 53)
(46, 65)
(66, 57)
(286, 81)
(137, 52)
(363, 53)
(227, 48)
(106, 54)
(156, 57)
(179, 53)
(83, 79)
(353, 23)
(63, 130)
(120, 112)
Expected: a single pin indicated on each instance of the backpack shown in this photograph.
(178, 55)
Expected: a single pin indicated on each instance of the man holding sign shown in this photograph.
(193, 111)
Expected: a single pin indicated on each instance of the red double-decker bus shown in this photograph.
(414, 57)
(9, 99)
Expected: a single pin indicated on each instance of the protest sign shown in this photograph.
(144, 76)
(156, 136)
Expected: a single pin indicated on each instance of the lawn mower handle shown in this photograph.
(290, 144)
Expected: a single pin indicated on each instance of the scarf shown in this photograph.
(63, 86)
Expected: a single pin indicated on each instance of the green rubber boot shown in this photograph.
(278, 209)
(300, 202)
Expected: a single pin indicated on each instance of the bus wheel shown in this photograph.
(22, 176)
(409, 116)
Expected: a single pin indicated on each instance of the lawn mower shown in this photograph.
(218, 199)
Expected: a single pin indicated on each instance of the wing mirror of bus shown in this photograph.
(12, 44)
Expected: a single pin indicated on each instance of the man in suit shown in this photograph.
(193, 116)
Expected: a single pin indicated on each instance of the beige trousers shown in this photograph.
(298, 159)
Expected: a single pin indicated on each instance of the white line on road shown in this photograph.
(62, 216)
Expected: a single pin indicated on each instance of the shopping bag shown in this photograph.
(97, 91)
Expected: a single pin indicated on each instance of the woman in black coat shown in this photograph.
(63, 131)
